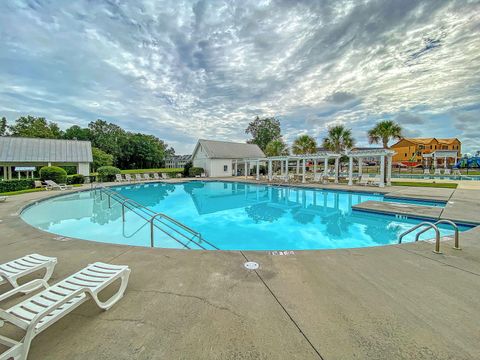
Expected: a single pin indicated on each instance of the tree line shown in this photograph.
(266, 133)
(111, 145)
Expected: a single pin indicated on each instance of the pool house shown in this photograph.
(27, 155)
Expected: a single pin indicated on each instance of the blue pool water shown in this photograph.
(231, 216)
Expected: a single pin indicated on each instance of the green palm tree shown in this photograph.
(383, 132)
(276, 148)
(304, 144)
(339, 139)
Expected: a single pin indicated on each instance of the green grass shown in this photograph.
(425, 184)
(26, 191)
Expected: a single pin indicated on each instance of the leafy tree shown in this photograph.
(304, 144)
(338, 139)
(36, 127)
(263, 131)
(75, 132)
(101, 158)
(383, 132)
(3, 126)
(108, 137)
(143, 151)
(276, 148)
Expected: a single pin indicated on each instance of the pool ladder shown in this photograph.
(429, 225)
(153, 219)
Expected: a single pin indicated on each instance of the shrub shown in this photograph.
(107, 173)
(196, 171)
(186, 169)
(75, 179)
(53, 173)
(15, 185)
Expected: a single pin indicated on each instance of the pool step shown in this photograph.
(399, 209)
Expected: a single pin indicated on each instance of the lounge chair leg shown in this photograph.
(117, 296)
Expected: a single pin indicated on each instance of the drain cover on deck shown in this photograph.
(251, 265)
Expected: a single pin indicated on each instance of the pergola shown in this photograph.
(301, 162)
(440, 154)
(361, 154)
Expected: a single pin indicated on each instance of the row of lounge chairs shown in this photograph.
(139, 177)
(320, 177)
(456, 172)
(36, 313)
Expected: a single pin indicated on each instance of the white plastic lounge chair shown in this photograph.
(374, 181)
(138, 177)
(447, 172)
(426, 171)
(364, 180)
(118, 178)
(128, 177)
(438, 172)
(13, 270)
(318, 177)
(52, 185)
(38, 184)
(146, 177)
(456, 172)
(164, 176)
(38, 312)
(3, 198)
(155, 176)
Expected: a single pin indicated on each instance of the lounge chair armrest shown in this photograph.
(21, 288)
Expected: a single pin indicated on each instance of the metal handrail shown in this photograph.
(151, 216)
(428, 226)
(455, 228)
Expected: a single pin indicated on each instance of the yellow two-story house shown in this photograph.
(414, 149)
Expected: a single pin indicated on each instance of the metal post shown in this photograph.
(258, 170)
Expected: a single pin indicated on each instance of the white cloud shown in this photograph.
(183, 70)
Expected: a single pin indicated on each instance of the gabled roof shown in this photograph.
(18, 150)
(427, 141)
(228, 150)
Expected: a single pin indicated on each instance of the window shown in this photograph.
(421, 147)
(406, 155)
(225, 167)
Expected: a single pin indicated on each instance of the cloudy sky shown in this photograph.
(188, 69)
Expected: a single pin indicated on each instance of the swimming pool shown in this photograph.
(230, 215)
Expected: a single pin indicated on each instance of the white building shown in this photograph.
(177, 161)
(30, 152)
(217, 158)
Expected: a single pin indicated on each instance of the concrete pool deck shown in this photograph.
(390, 302)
